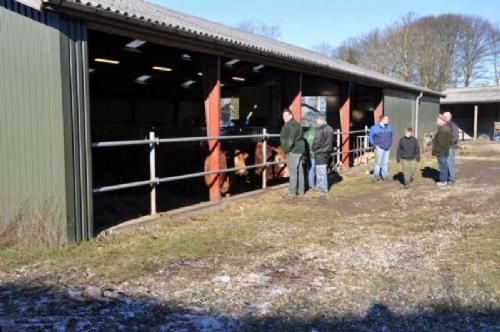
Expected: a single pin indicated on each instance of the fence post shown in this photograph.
(339, 147)
(367, 145)
(152, 171)
(264, 158)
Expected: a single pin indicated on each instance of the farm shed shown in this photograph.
(475, 110)
(79, 72)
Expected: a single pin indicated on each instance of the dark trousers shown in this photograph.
(443, 168)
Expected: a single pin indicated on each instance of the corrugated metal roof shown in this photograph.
(173, 21)
(488, 94)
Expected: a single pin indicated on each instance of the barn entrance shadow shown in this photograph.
(72, 309)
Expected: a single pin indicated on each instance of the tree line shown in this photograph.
(436, 52)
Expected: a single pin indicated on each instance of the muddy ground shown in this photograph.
(367, 257)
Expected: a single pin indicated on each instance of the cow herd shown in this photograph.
(235, 158)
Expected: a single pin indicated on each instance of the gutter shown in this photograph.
(417, 112)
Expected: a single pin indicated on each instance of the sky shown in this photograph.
(310, 22)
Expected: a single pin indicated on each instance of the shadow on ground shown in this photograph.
(41, 308)
(430, 173)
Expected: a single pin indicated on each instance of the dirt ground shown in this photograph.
(367, 257)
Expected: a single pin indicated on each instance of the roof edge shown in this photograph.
(56, 5)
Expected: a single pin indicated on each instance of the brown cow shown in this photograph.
(239, 161)
(273, 154)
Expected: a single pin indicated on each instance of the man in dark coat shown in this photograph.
(323, 148)
(453, 147)
(292, 141)
(441, 148)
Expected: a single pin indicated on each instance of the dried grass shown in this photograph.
(33, 225)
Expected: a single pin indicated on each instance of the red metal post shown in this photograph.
(294, 92)
(379, 110)
(345, 123)
(211, 89)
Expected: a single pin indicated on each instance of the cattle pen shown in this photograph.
(360, 149)
(90, 80)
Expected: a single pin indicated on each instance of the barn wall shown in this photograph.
(429, 110)
(400, 107)
(77, 134)
(32, 168)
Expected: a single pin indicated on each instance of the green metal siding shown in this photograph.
(429, 110)
(77, 129)
(32, 169)
(400, 107)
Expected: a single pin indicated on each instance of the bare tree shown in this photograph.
(325, 49)
(433, 51)
(495, 52)
(270, 31)
(474, 46)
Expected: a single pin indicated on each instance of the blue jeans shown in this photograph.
(381, 163)
(321, 178)
(443, 168)
(311, 174)
(451, 164)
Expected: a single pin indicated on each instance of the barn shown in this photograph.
(475, 110)
(81, 76)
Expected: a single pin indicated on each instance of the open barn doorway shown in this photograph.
(138, 87)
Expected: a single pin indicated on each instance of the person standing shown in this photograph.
(323, 148)
(440, 149)
(309, 137)
(292, 141)
(380, 138)
(408, 155)
(455, 136)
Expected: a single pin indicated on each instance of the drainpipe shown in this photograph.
(417, 111)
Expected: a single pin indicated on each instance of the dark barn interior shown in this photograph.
(137, 87)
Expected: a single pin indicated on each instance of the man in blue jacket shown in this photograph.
(381, 139)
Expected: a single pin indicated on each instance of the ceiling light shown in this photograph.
(188, 84)
(109, 61)
(186, 57)
(91, 70)
(237, 78)
(200, 74)
(162, 68)
(257, 68)
(135, 43)
(230, 63)
(142, 79)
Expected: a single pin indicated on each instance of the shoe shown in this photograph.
(288, 196)
(441, 184)
(451, 183)
(386, 179)
(377, 179)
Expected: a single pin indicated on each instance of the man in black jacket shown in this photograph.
(323, 148)
(409, 155)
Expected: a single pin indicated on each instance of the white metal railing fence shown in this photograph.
(154, 141)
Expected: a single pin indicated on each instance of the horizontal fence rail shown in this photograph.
(153, 141)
